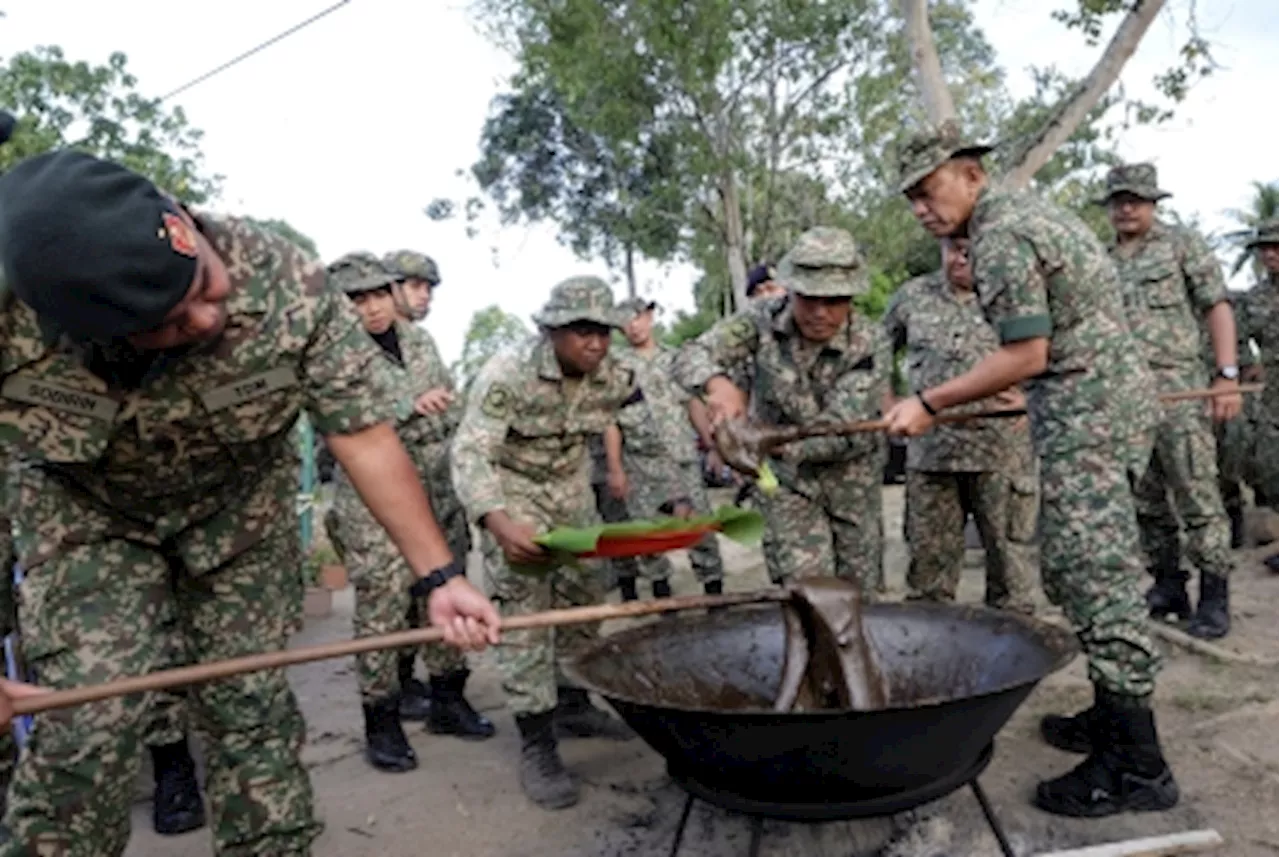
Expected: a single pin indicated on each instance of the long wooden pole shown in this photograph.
(325, 651)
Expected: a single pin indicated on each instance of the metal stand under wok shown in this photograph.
(837, 810)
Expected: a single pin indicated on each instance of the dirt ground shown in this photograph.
(1218, 721)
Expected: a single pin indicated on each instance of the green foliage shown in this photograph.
(491, 330)
(59, 103)
(286, 231)
(1262, 208)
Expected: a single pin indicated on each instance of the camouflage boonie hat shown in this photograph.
(923, 152)
(1265, 234)
(581, 299)
(413, 265)
(632, 307)
(825, 263)
(1137, 179)
(359, 272)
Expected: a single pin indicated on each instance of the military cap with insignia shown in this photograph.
(825, 263)
(360, 272)
(413, 265)
(581, 299)
(98, 251)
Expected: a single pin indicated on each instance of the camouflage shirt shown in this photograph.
(1256, 314)
(945, 335)
(426, 371)
(525, 422)
(1041, 272)
(201, 454)
(661, 427)
(796, 383)
(1170, 280)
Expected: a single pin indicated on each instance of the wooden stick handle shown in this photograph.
(198, 673)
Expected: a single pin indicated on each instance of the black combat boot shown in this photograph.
(627, 589)
(415, 698)
(542, 775)
(1169, 595)
(1125, 771)
(576, 717)
(451, 714)
(176, 807)
(662, 589)
(1213, 611)
(387, 748)
(1072, 734)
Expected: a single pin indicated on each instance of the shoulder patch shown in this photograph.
(739, 331)
(497, 402)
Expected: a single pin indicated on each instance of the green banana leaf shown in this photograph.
(744, 526)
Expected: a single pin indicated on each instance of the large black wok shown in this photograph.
(698, 689)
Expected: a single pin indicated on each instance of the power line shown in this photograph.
(244, 56)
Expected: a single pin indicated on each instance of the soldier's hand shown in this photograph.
(434, 401)
(909, 417)
(682, 509)
(515, 539)
(1226, 407)
(468, 619)
(618, 484)
(10, 691)
(724, 400)
(1251, 374)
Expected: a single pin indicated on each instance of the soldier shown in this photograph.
(652, 458)
(154, 364)
(814, 359)
(1170, 280)
(379, 574)
(1259, 322)
(761, 283)
(622, 572)
(436, 412)
(520, 465)
(1046, 285)
(985, 468)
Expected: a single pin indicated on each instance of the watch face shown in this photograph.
(1231, 373)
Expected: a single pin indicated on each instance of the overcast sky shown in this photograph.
(348, 128)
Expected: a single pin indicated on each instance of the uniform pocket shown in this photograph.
(1024, 508)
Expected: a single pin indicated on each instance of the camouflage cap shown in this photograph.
(922, 152)
(825, 263)
(634, 306)
(413, 265)
(1137, 179)
(1265, 234)
(581, 299)
(360, 272)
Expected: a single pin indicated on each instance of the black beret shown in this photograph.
(95, 249)
(759, 275)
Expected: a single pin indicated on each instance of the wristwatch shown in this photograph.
(1231, 373)
(423, 586)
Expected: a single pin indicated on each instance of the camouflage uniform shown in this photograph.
(1259, 322)
(985, 466)
(825, 517)
(660, 456)
(611, 511)
(1170, 279)
(171, 502)
(522, 448)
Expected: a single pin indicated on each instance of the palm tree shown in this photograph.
(1262, 208)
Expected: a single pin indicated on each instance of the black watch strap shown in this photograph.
(423, 586)
(924, 403)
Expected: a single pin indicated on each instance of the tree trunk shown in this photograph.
(734, 239)
(938, 104)
(631, 270)
(1071, 111)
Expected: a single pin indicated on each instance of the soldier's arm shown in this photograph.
(1015, 299)
(485, 423)
(716, 353)
(1207, 290)
(858, 395)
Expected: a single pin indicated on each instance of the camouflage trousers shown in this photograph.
(1090, 563)
(1180, 491)
(383, 605)
(528, 660)
(613, 511)
(1003, 506)
(100, 612)
(651, 486)
(1266, 441)
(806, 537)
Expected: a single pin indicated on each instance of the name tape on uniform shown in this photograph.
(249, 389)
(37, 391)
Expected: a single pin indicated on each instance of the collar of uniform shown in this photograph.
(1159, 231)
(545, 358)
(784, 322)
(242, 252)
(983, 209)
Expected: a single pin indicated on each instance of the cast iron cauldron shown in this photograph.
(699, 689)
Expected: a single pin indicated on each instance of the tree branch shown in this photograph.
(1036, 150)
(938, 104)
